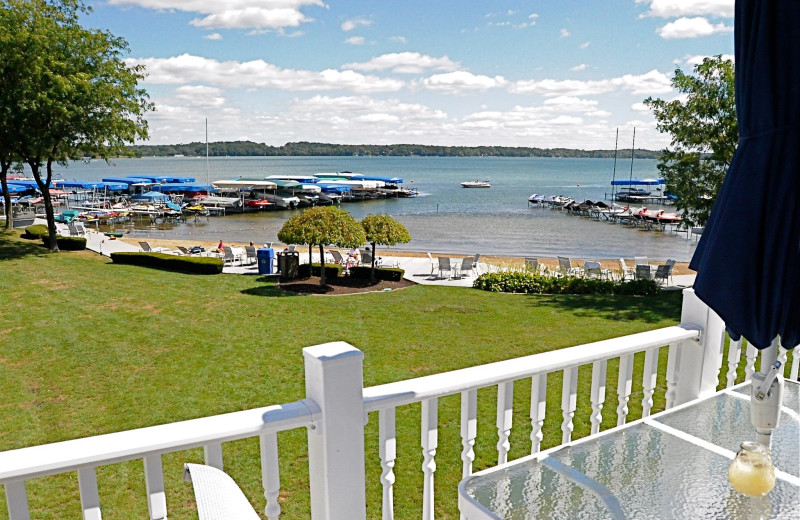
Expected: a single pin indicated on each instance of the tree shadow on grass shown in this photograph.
(270, 289)
(649, 309)
(14, 248)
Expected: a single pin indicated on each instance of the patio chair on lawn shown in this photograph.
(640, 260)
(444, 266)
(433, 263)
(643, 272)
(662, 274)
(184, 251)
(217, 495)
(250, 251)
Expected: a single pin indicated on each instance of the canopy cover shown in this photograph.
(746, 260)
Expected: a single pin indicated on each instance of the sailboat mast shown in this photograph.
(208, 181)
(633, 147)
(614, 175)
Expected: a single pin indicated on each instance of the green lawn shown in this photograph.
(89, 347)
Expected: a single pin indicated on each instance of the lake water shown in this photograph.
(444, 218)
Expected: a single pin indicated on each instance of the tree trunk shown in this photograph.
(321, 266)
(4, 167)
(310, 249)
(372, 271)
(44, 187)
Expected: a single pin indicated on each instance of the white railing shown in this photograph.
(336, 405)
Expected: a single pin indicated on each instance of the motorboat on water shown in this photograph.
(476, 184)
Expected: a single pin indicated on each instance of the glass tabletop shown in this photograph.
(647, 471)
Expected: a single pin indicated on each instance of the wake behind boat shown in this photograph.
(476, 184)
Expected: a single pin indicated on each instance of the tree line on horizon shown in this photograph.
(303, 148)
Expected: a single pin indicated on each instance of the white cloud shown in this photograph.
(199, 96)
(213, 36)
(653, 82)
(257, 73)
(349, 25)
(533, 16)
(405, 63)
(578, 68)
(677, 8)
(584, 45)
(691, 28)
(399, 39)
(691, 61)
(235, 14)
(355, 40)
(640, 107)
(462, 81)
(563, 33)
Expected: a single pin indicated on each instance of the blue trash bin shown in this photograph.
(265, 256)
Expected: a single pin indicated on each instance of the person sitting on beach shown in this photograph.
(353, 257)
(221, 246)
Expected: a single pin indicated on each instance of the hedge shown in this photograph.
(331, 270)
(184, 264)
(35, 232)
(531, 283)
(381, 273)
(68, 243)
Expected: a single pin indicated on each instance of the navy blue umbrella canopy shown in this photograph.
(748, 260)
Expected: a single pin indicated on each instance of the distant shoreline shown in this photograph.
(306, 149)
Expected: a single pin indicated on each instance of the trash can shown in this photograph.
(288, 265)
(265, 256)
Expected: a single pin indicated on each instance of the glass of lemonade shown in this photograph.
(751, 473)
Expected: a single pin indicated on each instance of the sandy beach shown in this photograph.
(681, 268)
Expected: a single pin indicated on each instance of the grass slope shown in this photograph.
(89, 347)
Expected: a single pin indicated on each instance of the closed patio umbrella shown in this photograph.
(748, 258)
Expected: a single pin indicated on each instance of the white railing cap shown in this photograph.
(437, 385)
(58, 457)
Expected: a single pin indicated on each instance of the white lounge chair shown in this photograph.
(466, 267)
(146, 248)
(217, 495)
(627, 272)
(444, 266)
(592, 269)
(434, 265)
(565, 266)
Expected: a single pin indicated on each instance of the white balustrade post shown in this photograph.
(334, 381)
(699, 361)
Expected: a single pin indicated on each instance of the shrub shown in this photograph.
(69, 243)
(184, 264)
(381, 273)
(532, 283)
(331, 270)
(35, 232)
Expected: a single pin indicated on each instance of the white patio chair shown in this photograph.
(595, 270)
(146, 248)
(250, 251)
(565, 266)
(434, 265)
(228, 256)
(217, 495)
(627, 271)
(466, 267)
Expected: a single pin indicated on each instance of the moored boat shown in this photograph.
(476, 184)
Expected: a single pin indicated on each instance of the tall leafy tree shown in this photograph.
(702, 124)
(74, 95)
(323, 226)
(383, 230)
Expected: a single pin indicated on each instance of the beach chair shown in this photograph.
(184, 251)
(217, 495)
(433, 263)
(593, 269)
(366, 259)
(565, 266)
(627, 271)
(475, 263)
(146, 248)
(662, 274)
(292, 248)
(532, 265)
(640, 260)
(337, 257)
(229, 257)
(444, 266)
(250, 252)
(643, 272)
(466, 267)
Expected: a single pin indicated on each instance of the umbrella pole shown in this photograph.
(767, 394)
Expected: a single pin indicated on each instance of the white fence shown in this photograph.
(336, 405)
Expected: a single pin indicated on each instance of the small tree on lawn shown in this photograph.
(323, 226)
(383, 230)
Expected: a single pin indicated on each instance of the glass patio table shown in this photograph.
(673, 464)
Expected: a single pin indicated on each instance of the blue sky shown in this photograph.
(540, 73)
